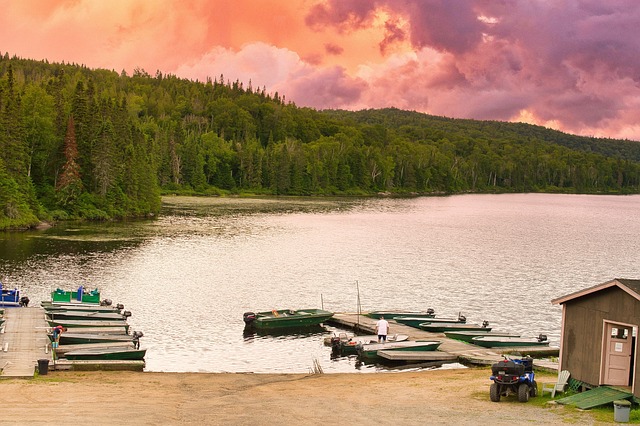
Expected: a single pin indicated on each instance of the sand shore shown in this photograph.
(405, 398)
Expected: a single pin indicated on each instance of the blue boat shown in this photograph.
(10, 297)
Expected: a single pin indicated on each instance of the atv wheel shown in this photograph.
(523, 392)
(494, 392)
(534, 389)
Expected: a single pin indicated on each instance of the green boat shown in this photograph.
(94, 316)
(416, 321)
(286, 318)
(439, 327)
(88, 323)
(114, 353)
(79, 307)
(343, 345)
(429, 313)
(79, 296)
(81, 338)
(466, 336)
(369, 352)
(509, 342)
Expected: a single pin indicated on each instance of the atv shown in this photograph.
(513, 377)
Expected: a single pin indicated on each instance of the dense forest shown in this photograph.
(80, 143)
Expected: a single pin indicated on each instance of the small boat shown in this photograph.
(88, 323)
(96, 330)
(508, 342)
(96, 316)
(9, 297)
(81, 338)
(81, 295)
(55, 307)
(343, 345)
(439, 327)
(286, 318)
(416, 321)
(466, 336)
(369, 351)
(429, 313)
(114, 353)
(63, 349)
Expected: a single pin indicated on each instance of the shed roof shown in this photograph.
(632, 287)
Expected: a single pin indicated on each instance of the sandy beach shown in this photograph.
(459, 397)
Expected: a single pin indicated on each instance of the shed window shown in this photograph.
(619, 333)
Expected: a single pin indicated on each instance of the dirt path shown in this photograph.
(457, 397)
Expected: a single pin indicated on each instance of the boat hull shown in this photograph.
(394, 314)
(467, 336)
(289, 319)
(442, 327)
(77, 339)
(506, 342)
(416, 321)
(82, 316)
(107, 354)
(79, 323)
(370, 352)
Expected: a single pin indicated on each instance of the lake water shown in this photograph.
(189, 275)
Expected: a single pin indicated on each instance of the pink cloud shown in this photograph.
(573, 64)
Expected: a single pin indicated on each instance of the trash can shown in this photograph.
(621, 410)
(43, 368)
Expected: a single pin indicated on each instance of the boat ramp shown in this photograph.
(450, 350)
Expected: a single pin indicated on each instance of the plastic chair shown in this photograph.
(559, 386)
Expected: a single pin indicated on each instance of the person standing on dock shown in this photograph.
(382, 329)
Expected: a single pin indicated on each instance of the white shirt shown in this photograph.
(383, 327)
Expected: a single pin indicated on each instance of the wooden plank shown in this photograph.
(23, 342)
(417, 356)
(595, 397)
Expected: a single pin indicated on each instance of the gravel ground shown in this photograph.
(442, 397)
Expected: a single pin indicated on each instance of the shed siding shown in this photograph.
(583, 331)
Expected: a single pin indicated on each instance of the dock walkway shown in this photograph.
(463, 352)
(23, 342)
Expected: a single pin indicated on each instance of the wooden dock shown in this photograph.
(23, 342)
(450, 349)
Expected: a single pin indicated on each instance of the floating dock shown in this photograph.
(450, 350)
(24, 345)
(24, 341)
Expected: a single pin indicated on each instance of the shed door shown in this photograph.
(617, 366)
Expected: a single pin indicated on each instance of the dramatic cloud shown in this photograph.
(569, 64)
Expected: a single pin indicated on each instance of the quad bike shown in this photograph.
(513, 377)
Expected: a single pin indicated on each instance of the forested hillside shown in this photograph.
(97, 144)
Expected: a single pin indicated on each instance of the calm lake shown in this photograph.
(189, 275)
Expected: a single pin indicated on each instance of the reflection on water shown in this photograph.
(189, 275)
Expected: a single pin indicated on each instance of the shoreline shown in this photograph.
(450, 396)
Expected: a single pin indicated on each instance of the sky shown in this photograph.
(572, 65)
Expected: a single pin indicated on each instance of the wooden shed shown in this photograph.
(598, 343)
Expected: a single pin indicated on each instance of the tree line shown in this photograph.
(98, 144)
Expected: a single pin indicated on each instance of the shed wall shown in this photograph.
(583, 331)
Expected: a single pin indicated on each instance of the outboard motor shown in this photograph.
(542, 338)
(119, 306)
(136, 339)
(106, 302)
(126, 314)
(24, 301)
(462, 318)
(431, 311)
(249, 318)
(485, 324)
